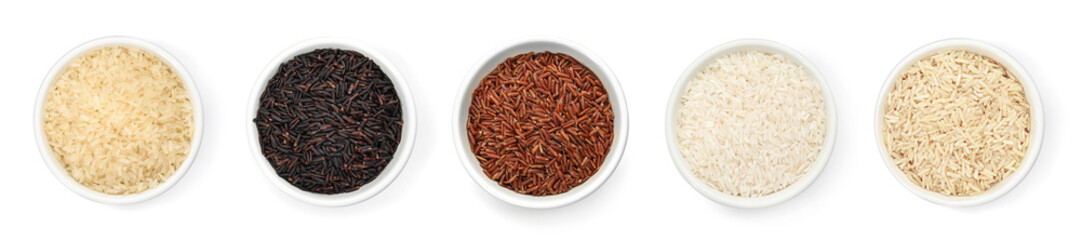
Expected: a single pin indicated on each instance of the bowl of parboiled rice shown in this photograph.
(751, 123)
(118, 120)
(959, 122)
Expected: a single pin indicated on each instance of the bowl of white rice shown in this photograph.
(118, 120)
(750, 123)
(959, 122)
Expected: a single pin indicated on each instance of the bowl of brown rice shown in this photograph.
(118, 120)
(750, 123)
(959, 122)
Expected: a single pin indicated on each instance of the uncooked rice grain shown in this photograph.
(540, 123)
(119, 120)
(751, 123)
(956, 123)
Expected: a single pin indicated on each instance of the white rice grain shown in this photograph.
(751, 123)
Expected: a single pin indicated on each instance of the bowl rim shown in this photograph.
(538, 44)
(58, 169)
(672, 115)
(1035, 113)
(401, 155)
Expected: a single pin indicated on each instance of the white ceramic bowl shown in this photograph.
(672, 118)
(1035, 115)
(540, 44)
(401, 155)
(58, 169)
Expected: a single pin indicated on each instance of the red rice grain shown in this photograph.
(540, 123)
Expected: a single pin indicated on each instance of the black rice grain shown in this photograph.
(329, 121)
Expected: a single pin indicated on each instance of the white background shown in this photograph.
(226, 45)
